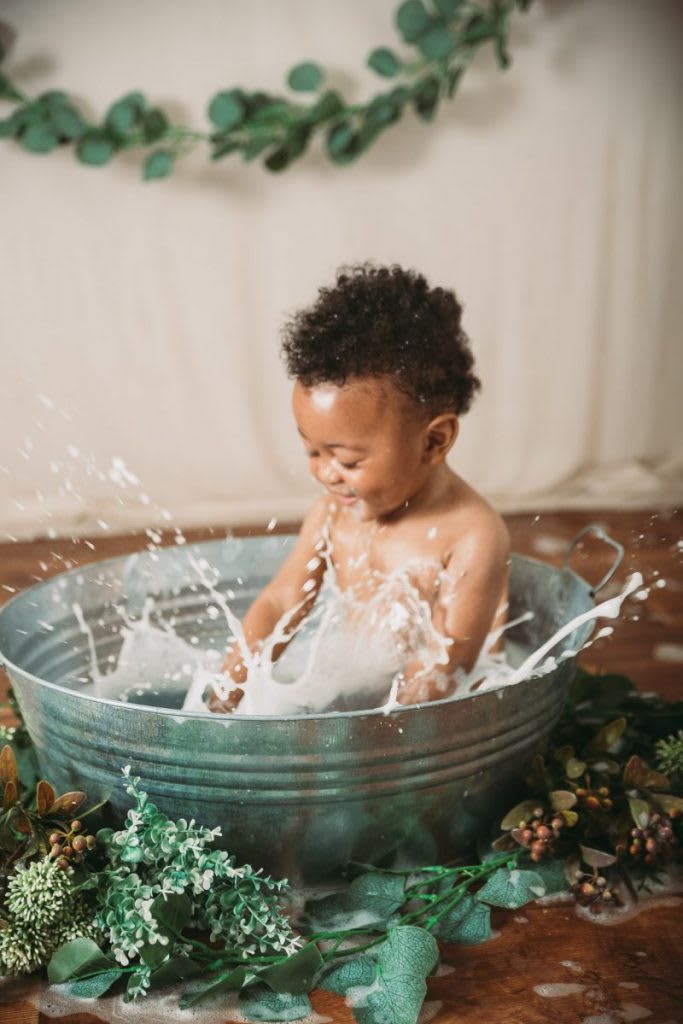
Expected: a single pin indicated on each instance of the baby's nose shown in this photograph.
(329, 474)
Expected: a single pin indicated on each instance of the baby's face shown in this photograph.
(365, 443)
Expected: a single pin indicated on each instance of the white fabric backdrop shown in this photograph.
(139, 322)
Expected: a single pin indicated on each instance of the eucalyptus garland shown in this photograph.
(444, 36)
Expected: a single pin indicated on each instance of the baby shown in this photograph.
(382, 372)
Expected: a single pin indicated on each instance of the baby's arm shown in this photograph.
(471, 601)
(293, 590)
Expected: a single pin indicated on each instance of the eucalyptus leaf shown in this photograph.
(95, 149)
(573, 768)
(329, 105)
(370, 900)
(227, 110)
(158, 164)
(92, 988)
(447, 8)
(154, 124)
(437, 42)
(520, 812)
(77, 957)
(596, 858)
(562, 799)
(640, 811)
(122, 116)
(469, 922)
(8, 90)
(384, 62)
(39, 139)
(606, 738)
(306, 77)
(262, 1004)
(511, 889)
(426, 98)
(67, 122)
(412, 19)
(342, 143)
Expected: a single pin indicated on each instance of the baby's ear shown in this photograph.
(441, 435)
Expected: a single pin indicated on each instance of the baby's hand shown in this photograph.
(221, 704)
(421, 685)
(222, 699)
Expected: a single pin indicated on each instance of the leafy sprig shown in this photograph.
(445, 36)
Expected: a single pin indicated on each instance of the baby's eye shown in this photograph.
(348, 465)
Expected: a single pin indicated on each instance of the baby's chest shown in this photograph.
(366, 561)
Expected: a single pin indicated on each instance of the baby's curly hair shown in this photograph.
(385, 321)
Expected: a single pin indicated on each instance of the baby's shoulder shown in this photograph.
(475, 530)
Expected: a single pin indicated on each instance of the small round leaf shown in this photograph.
(384, 62)
(154, 124)
(95, 149)
(39, 138)
(447, 8)
(437, 42)
(306, 77)
(67, 122)
(121, 116)
(412, 19)
(158, 164)
(226, 110)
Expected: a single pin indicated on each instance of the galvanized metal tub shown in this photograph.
(299, 795)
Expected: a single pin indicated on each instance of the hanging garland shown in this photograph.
(446, 37)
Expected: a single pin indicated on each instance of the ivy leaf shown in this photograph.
(404, 961)
(229, 981)
(306, 77)
(469, 922)
(297, 973)
(552, 875)
(437, 42)
(384, 62)
(95, 149)
(359, 971)
(511, 889)
(93, 988)
(79, 956)
(158, 164)
(260, 1003)
(412, 19)
(227, 110)
(370, 900)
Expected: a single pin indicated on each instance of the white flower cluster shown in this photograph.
(153, 857)
(43, 912)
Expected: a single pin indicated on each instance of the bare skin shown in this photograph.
(390, 500)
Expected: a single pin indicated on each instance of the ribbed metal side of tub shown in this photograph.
(300, 795)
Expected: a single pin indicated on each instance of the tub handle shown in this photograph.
(600, 533)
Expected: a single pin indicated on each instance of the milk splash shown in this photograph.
(345, 654)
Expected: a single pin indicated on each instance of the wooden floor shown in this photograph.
(627, 972)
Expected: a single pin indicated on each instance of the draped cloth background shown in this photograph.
(140, 322)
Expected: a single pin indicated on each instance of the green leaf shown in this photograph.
(637, 773)
(260, 1003)
(329, 105)
(229, 981)
(359, 971)
(511, 889)
(67, 122)
(173, 970)
(404, 961)
(412, 19)
(54, 98)
(96, 149)
(552, 875)
(306, 77)
(469, 922)
(92, 988)
(39, 138)
(79, 956)
(223, 147)
(370, 900)
(256, 146)
(342, 143)
(437, 42)
(227, 110)
(521, 812)
(171, 912)
(573, 768)
(8, 90)
(596, 858)
(297, 973)
(158, 164)
(562, 799)
(123, 115)
(606, 738)
(294, 146)
(154, 124)
(384, 62)
(640, 811)
(447, 8)
(426, 98)
(502, 54)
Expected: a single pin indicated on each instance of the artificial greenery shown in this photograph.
(444, 35)
(153, 903)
